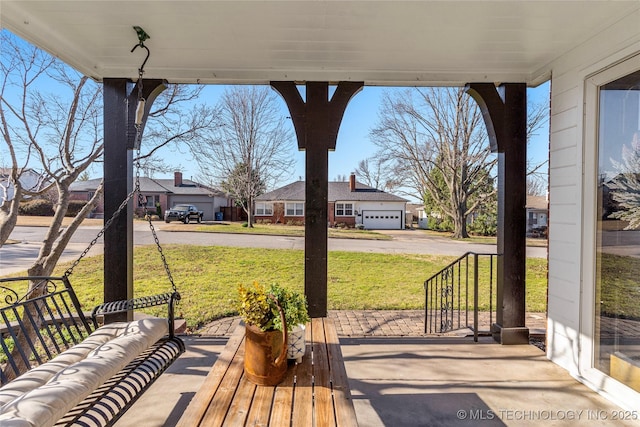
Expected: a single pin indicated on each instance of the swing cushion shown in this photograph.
(46, 393)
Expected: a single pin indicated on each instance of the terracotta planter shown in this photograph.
(265, 356)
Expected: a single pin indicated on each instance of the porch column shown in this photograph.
(504, 109)
(316, 122)
(120, 101)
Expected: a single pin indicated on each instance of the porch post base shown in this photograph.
(510, 336)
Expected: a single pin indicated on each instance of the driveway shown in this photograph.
(18, 256)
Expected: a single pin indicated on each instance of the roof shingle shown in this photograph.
(338, 191)
(150, 185)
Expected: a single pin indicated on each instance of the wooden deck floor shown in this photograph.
(313, 393)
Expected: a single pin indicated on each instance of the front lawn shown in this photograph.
(272, 229)
(207, 278)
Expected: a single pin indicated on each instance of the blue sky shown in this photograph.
(353, 142)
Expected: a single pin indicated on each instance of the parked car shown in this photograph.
(184, 213)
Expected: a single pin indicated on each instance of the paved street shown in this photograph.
(17, 257)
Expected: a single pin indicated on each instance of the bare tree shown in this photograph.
(252, 145)
(62, 134)
(177, 121)
(537, 176)
(434, 147)
(535, 187)
(438, 137)
(537, 117)
(59, 132)
(624, 187)
(18, 74)
(378, 172)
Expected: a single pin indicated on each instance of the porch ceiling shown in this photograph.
(378, 42)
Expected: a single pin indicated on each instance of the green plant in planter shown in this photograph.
(257, 306)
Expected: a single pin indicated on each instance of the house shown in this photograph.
(588, 50)
(537, 214)
(166, 192)
(350, 203)
(30, 180)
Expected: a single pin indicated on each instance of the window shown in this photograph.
(295, 209)
(617, 300)
(344, 209)
(149, 201)
(264, 208)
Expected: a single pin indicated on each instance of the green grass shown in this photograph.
(207, 278)
(271, 229)
(620, 290)
(486, 240)
(536, 282)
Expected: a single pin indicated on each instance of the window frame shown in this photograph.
(589, 296)
(294, 211)
(153, 197)
(343, 207)
(265, 207)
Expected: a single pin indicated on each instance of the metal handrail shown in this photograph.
(444, 291)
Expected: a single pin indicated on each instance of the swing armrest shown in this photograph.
(122, 306)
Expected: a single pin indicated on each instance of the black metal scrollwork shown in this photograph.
(41, 287)
(33, 287)
(446, 293)
(134, 304)
(8, 295)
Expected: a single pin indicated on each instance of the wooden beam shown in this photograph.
(120, 103)
(150, 90)
(505, 113)
(316, 122)
(118, 238)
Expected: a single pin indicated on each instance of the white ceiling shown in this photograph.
(378, 42)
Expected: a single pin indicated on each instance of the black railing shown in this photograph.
(467, 284)
(36, 327)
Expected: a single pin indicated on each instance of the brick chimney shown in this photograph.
(352, 182)
(177, 179)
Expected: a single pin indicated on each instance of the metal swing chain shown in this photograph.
(106, 225)
(141, 200)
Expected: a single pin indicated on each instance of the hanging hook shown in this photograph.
(142, 36)
(140, 108)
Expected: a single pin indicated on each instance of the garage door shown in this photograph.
(382, 220)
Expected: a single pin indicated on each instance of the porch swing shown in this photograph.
(61, 366)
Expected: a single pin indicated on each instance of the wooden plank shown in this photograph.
(313, 393)
(323, 404)
(261, 407)
(303, 403)
(283, 401)
(241, 404)
(345, 412)
(201, 401)
(217, 411)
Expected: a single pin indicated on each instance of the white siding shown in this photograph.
(385, 206)
(571, 211)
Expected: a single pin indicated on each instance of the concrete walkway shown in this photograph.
(400, 377)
